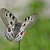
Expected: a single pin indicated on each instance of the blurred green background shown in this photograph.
(38, 36)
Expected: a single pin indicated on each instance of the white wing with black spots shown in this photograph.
(7, 17)
(9, 20)
(16, 30)
(29, 21)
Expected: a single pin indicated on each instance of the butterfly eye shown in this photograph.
(9, 29)
(21, 32)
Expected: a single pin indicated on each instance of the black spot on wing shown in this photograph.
(11, 23)
(12, 34)
(10, 14)
(17, 35)
(25, 19)
(24, 24)
(9, 35)
(13, 17)
(6, 14)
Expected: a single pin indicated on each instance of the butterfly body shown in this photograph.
(15, 32)
(15, 29)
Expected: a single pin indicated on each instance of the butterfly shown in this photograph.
(15, 29)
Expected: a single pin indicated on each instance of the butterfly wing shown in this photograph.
(29, 21)
(9, 20)
(7, 17)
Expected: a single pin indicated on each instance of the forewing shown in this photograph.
(29, 21)
(7, 17)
